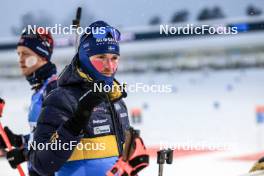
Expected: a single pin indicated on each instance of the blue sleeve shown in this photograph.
(55, 111)
(26, 138)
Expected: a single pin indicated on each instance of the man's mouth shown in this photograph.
(23, 67)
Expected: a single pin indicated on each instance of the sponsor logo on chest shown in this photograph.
(102, 129)
(99, 121)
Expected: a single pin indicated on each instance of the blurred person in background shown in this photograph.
(34, 50)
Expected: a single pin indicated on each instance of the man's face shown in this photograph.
(106, 64)
(29, 61)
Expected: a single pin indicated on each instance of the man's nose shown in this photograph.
(21, 59)
(108, 63)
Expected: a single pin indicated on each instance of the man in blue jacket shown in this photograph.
(34, 50)
(78, 113)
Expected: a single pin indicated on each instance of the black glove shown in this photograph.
(15, 140)
(16, 157)
(87, 102)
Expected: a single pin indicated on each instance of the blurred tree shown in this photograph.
(180, 16)
(217, 13)
(207, 14)
(204, 14)
(253, 11)
(155, 20)
(42, 19)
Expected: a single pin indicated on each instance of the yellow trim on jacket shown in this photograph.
(98, 147)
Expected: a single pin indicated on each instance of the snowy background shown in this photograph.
(215, 108)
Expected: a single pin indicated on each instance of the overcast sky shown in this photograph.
(115, 12)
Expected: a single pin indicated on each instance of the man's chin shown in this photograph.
(107, 74)
(25, 72)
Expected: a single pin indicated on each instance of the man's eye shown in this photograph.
(25, 54)
(114, 58)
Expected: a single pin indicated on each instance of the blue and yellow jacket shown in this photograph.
(100, 152)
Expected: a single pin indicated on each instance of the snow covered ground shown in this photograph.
(205, 108)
